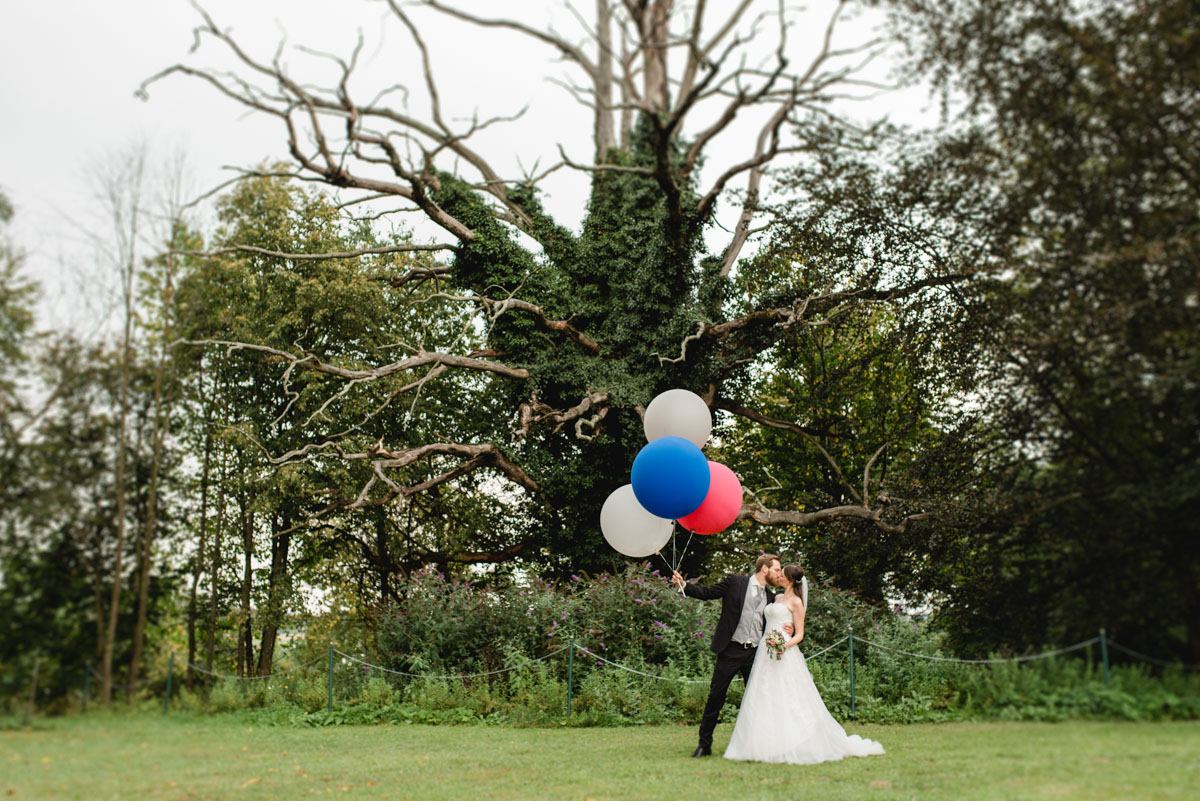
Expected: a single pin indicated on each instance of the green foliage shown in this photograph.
(344, 312)
(230, 694)
(448, 625)
(58, 520)
(538, 695)
(1071, 168)
(633, 279)
(889, 687)
(17, 294)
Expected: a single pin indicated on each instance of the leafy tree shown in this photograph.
(16, 323)
(264, 288)
(1073, 163)
(58, 545)
(16, 297)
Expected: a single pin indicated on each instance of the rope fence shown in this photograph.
(1152, 660)
(599, 658)
(619, 666)
(571, 647)
(1030, 658)
(809, 657)
(235, 677)
(451, 675)
(116, 685)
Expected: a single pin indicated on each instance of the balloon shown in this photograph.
(720, 506)
(678, 413)
(670, 477)
(629, 528)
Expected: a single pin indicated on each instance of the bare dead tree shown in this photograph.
(171, 210)
(120, 187)
(695, 77)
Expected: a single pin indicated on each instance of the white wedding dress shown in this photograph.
(782, 718)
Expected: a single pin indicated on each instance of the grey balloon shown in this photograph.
(678, 413)
(629, 528)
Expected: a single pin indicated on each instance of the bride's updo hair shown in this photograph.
(794, 574)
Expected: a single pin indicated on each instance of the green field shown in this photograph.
(220, 757)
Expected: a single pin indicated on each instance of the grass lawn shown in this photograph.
(192, 757)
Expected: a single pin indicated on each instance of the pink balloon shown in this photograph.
(721, 505)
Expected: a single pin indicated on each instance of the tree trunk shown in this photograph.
(215, 573)
(245, 634)
(143, 597)
(655, 40)
(37, 663)
(98, 587)
(198, 564)
(140, 555)
(1193, 614)
(280, 541)
(626, 99)
(604, 133)
(162, 415)
(110, 635)
(110, 632)
(381, 550)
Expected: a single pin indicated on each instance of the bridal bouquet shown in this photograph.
(774, 642)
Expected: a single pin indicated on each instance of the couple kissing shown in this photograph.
(782, 717)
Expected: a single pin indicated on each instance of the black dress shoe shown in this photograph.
(702, 751)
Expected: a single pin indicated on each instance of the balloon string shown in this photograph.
(674, 564)
(683, 553)
(665, 562)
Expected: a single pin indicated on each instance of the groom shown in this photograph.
(744, 601)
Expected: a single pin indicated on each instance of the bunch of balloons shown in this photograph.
(671, 480)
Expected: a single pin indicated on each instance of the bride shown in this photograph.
(782, 717)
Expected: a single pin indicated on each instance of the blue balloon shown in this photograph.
(670, 477)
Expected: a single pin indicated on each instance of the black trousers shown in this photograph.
(733, 660)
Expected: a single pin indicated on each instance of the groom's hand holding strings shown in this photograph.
(677, 579)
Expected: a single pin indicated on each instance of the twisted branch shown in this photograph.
(778, 517)
(311, 361)
(535, 412)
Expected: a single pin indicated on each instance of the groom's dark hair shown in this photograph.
(764, 559)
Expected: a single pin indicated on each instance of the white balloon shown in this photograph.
(678, 413)
(629, 528)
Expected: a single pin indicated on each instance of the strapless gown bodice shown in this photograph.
(778, 616)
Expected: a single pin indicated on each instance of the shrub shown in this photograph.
(537, 696)
(311, 693)
(378, 692)
(638, 620)
(226, 696)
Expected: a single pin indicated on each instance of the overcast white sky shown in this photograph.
(69, 70)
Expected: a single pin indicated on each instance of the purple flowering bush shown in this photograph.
(629, 617)
(454, 626)
(449, 625)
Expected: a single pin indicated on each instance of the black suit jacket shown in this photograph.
(732, 592)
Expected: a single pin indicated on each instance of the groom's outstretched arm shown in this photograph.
(718, 590)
